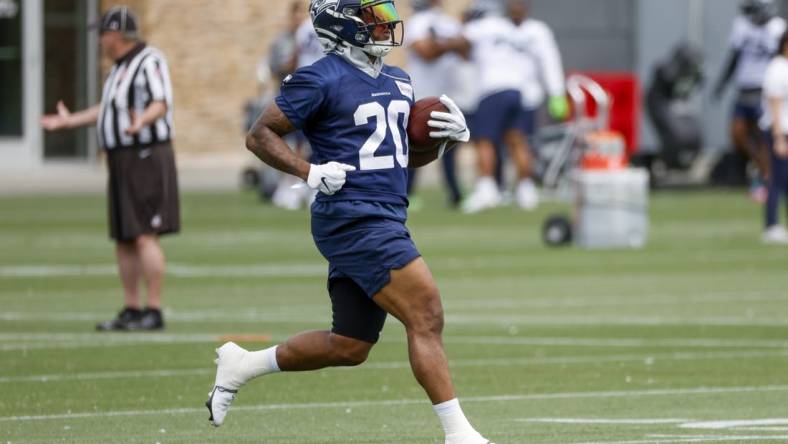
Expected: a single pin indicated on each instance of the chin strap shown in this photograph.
(359, 59)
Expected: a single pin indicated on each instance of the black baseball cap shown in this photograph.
(120, 19)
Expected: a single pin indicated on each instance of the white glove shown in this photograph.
(450, 125)
(329, 177)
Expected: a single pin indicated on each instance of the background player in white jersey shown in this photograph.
(518, 61)
(434, 73)
(753, 42)
(546, 80)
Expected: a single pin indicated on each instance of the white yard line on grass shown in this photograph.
(319, 269)
(660, 439)
(619, 320)
(399, 402)
(603, 421)
(464, 319)
(46, 271)
(647, 360)
(42, 341)
(38, 341)
(506, 299)
(182, 317)
(620, 342)
(56, 377)
(641, 299)
(176, 270)
(738, 424)
(727, 425)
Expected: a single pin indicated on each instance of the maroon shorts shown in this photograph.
(142, 192)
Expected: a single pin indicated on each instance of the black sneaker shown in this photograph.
(151, 319)
(121, 322)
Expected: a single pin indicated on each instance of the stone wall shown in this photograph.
(213, 48)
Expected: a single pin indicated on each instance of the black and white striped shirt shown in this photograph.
(136, 80)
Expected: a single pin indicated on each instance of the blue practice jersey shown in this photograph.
(352, 118)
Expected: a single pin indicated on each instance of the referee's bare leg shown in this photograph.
(130, 271)
(142, 257)
(151, 258)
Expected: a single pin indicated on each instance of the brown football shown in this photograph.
(418, 130)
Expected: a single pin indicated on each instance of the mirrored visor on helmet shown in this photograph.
(377, 12)
(383, 22)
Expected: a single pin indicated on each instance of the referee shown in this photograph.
(134, 122)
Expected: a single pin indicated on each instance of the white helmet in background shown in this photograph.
(759, 11)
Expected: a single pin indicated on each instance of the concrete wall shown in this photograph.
(593, 35)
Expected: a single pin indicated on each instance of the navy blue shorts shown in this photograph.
(501, 112)
(748, 105)
(747, 112)
(362, 241)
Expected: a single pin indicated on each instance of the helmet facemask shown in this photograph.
(383, 26)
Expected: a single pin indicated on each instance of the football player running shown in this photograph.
(354, 111)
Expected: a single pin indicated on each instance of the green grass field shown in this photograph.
(669, 344)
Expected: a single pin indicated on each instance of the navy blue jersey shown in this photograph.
(352, 118)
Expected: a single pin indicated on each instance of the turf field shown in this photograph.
(685, 341)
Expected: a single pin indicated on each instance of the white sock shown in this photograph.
(487, 183)
(452, 418)
(260, 363)
(527, 182)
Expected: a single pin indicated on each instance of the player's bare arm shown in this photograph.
(459, 45)
(265, 141)
(428, 49)
(727, 73)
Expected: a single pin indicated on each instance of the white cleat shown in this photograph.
(229, 379)
(775, 235)
(527, 195)
(468, 438)
(287, 198)
(485, 196)
(218, 403)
